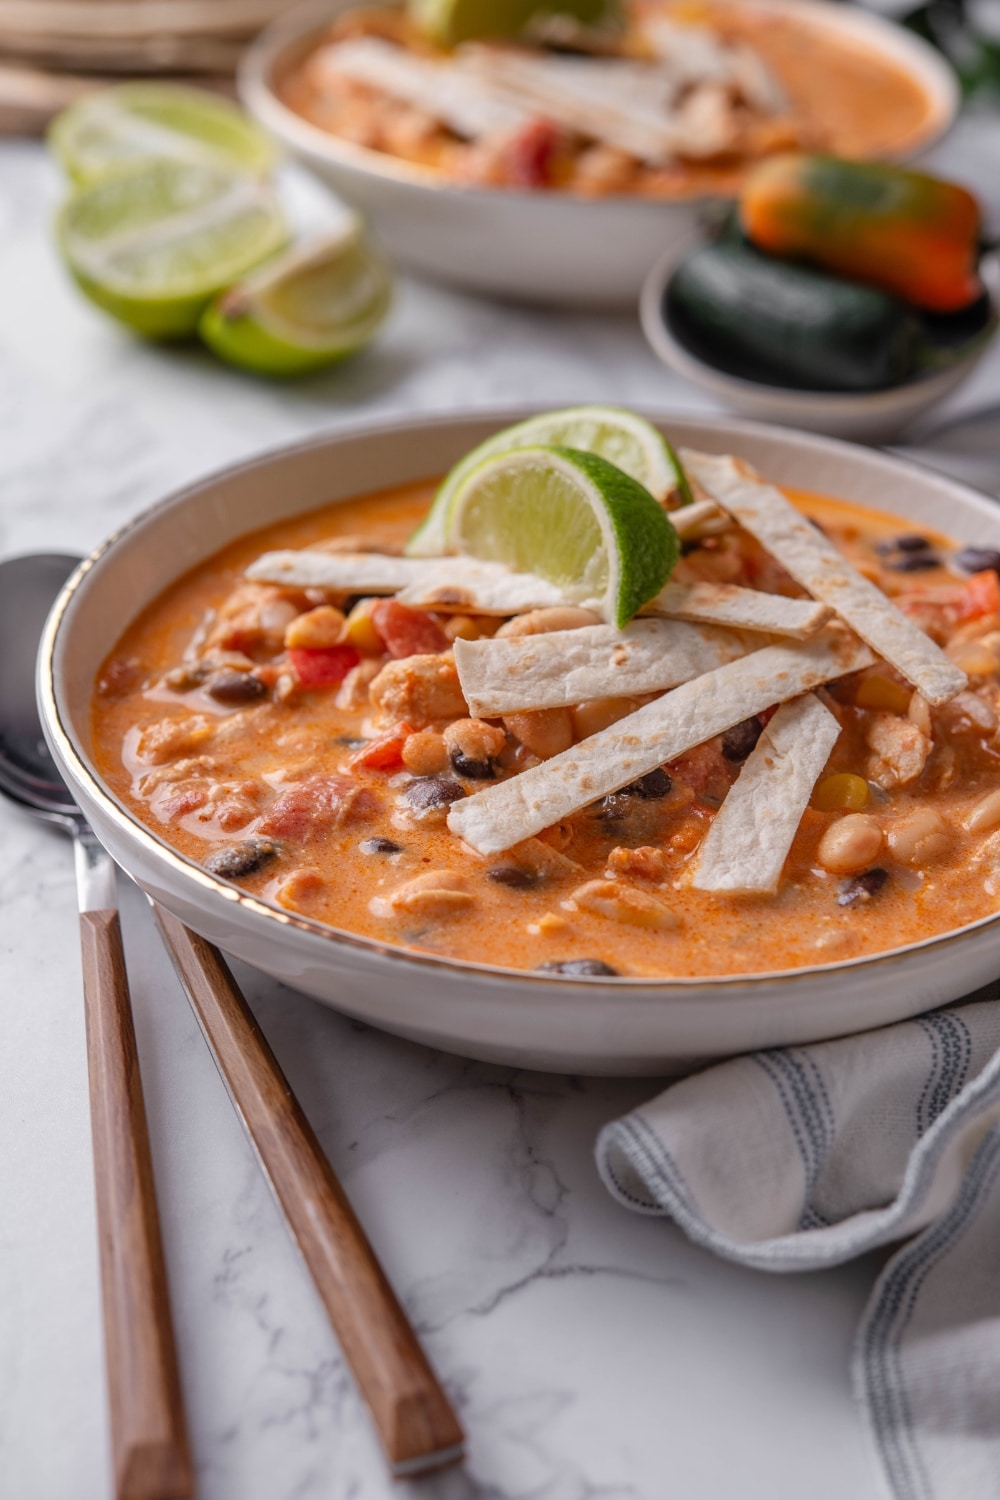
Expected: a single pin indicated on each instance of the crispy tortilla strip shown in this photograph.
(458, 583)
(349, 572)
(433, 582)
(817, 566)
(640, 108)
(740, 609)
(747, 845)
(441, 89)
(517, 673)
(700, 518)
(513, 810)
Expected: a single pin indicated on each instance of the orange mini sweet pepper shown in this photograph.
(903, 231)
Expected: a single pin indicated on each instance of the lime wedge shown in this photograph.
(154, 243)
(305, 309)
(626, 440)
(134, 122)
(448, 22)
(572, 518)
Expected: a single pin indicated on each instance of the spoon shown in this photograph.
(149, 1446)
(413, 1417)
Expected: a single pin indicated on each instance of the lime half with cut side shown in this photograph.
(625, 439)
(153, 244)
(141, 122)
(305, 309)
(448, 22)
(572, 518)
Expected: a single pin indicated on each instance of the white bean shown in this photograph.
(985, 816)
(920, 838)
(850, 844)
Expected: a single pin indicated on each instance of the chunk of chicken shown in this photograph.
(419, 689)
(899, 750)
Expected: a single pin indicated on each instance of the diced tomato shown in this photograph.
(408, 632)
(529, 155)
(981, 596)
(322, 666)
(705, 770)
(386, 752)
(316, 805)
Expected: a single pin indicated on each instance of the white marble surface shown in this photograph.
(592, 1354)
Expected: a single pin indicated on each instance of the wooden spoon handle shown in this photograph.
(414, 1419)
(149, 1444)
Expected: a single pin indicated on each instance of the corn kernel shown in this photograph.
(882, 692)
(842, 792)
(359, 628)
(549, 924)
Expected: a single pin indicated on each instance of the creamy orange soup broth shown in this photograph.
(203, 726)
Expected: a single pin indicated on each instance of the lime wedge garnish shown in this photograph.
(626, 440)
(570, 517)
(305, 309)
(449, 22)
(134, 122)
(154, 243)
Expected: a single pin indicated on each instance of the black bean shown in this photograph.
(911, 542)
(381, 846)
(474, 770)
(912, 562)
(977, 559)
(235, 687)
(351, 742)
(241, 859)
(432, 791)
(648, 788)
(613, 808)
(741, 739)
(862, 887)
(512, 875)
(652, 786)
(595, 966)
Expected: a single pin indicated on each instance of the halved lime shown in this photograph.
(572, 518)
(154, 243)
(449, 22)
(134, 122)
(307, 308)
(625, 439)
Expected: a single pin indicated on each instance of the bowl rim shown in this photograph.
(295, 30)
(929, 386)
(72, 756)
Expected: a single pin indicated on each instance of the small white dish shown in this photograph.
(869, 417)
(585, 1025)
(547, 246)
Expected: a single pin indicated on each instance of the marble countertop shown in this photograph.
(593, 1355)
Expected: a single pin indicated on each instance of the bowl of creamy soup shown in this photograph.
(765, 811)
(559, 170)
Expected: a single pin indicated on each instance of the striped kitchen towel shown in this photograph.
(803, 1157)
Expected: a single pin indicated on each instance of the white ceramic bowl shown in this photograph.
(529, 1020)
(549, 247)
(871, 417)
